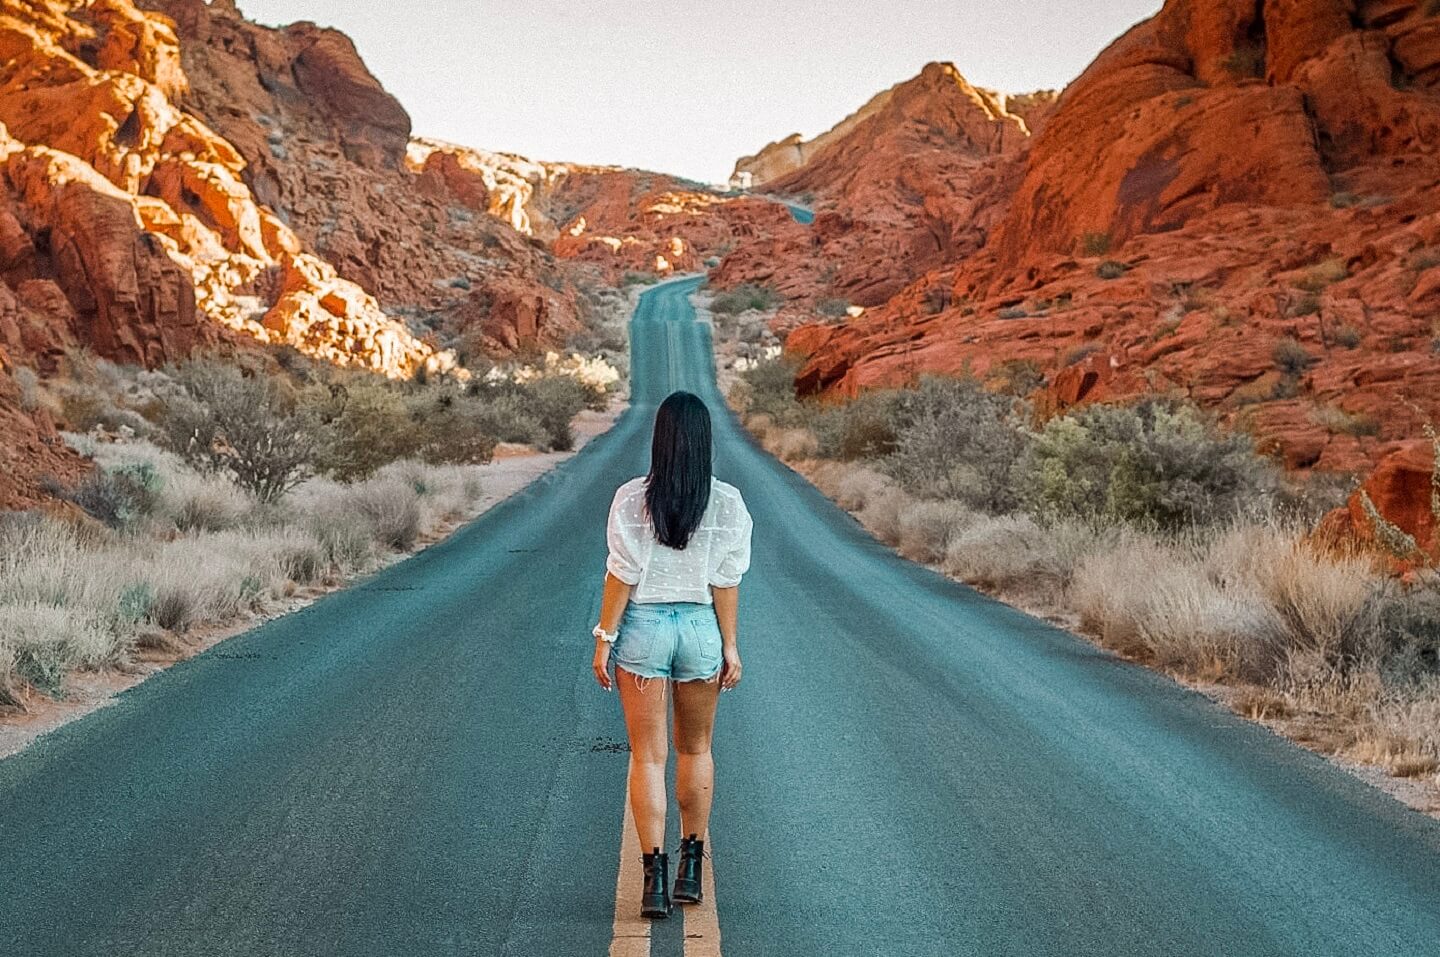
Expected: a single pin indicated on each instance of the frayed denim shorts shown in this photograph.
(679, 640)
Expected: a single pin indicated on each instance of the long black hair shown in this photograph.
(678, 486)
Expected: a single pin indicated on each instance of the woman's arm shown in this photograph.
(612, 606)
(727, 607)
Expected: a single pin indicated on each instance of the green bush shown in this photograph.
(743, 297)
(117, 496)
(863, 428)
(771, 384)
(1154, 464)
(1111, 269)
(834, 308)
(555, 401)
(249, 427)
(956, 439)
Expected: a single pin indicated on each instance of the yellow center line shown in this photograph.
(630, 936)
(702, 921)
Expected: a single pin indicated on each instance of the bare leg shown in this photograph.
(694, 768)
(643, 700)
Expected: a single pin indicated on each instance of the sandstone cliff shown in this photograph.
(1236, 203)
(325, 146)
(129, 225)
(613, 219)
(904, 185)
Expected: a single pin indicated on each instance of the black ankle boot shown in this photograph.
(655, 897)
(687, 871)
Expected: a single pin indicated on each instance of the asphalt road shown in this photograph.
(423, 765)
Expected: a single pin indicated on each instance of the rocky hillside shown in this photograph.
(325, 146)
(132, 227)
(907, 183)
(1236, 203)
(613, 219)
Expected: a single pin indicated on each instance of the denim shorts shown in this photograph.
(669, 639)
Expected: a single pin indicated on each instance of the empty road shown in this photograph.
(423, 765)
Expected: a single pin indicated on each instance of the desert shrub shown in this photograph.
(863, 427)
(771, 385)
(1111, 269)
(555, 401)
(1306, 305)
(1335, 419)
(1156, 602)
(1291, 357)
(371, 423)
(955, 439)
(1153, 464)
(834, 308)
(1323, 274)
(248, 427)
(1347, 336)
(391, 508)
(855, 487)
(744, 297)
(792, 444)
(118, 496)
(638, 279)
(85, 407)
(1010, 553)
(204, 503)
(40, 643)
(927, 527)
(882, 515)
(507, 414)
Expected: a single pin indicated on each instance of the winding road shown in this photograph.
(423, 765)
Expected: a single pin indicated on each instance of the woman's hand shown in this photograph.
(730, 670)
(602, 663)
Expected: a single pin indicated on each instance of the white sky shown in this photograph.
(686, 87)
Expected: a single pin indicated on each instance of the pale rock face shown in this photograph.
(158, 243)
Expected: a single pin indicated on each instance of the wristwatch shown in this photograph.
(604, 635)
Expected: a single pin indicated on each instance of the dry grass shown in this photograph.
(80, 595)
(1297, 632)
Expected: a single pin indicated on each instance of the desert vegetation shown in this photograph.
(220, 489)
(1149, 528)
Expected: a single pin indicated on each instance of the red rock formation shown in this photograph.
(325, 146)
(1236, 203)
(905, 185)
(1401, 489)
(137, 212)
(615, 219)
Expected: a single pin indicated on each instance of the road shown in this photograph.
(423, 765)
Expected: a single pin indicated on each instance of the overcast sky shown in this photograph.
(686, 87)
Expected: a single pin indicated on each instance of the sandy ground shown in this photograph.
(513, 468)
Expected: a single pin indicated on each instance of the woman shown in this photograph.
(679, 540)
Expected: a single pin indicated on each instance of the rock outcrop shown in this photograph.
(325, 147)
(1235, 203)
(129, 227)
(908, 183)
(613, 219)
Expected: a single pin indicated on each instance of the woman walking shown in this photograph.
(679, 541)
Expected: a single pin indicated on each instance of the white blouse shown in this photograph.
(718, 552)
